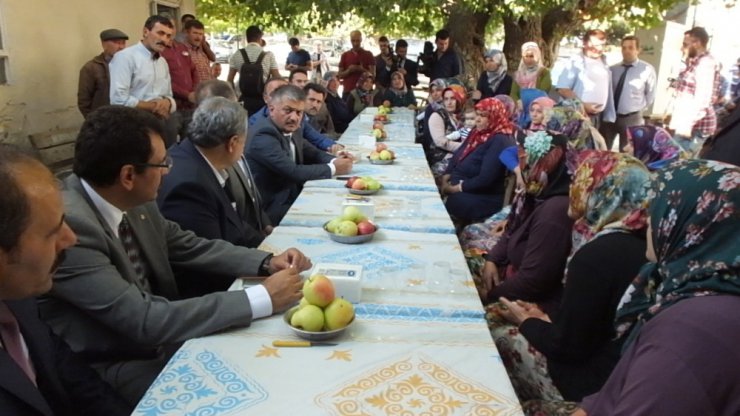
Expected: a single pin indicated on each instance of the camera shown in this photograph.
(426, 59)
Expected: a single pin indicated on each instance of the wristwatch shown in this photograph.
(264, 269)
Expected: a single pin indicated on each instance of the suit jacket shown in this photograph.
(412, 72)
(191, 196)
(66, 385)
(100, 308)
(279, 176)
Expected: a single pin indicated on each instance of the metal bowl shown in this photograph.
(313, 336)
(355, 239)
(380, 162)
(364, 191)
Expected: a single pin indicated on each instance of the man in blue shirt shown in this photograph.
(297, 58)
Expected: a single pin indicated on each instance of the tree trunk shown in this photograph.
(547, 30)
(467, 34)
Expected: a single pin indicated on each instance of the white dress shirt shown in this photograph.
(136, 74)
(638, 91)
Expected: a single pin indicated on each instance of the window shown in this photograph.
(3, 54)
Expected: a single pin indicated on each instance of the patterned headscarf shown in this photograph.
(567, 118)
(509, 104)
(526, 76)
(654, 146)
(608, 194)
(498, 122)
(495, 77)
(546, 175)
(459, 95)
(402, 92)
(695, 227)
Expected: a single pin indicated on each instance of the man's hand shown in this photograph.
(489, 279)
(284, 288)
(402, 71)
(343, 165)
(162, 107)
(267, 231)
(290, 258)
(335, 149)
(593, 108)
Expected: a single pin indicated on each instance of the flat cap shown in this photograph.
(112, 34)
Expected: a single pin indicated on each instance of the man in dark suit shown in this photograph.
(206, 193)
(39, 374)
(409, 69)
(281, 160)
(114, 297)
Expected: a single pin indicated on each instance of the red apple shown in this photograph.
(365, 227)
(318, 290)
(379, 147)
(351, 181)
(359, 185)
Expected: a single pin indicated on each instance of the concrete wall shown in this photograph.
(47, 43)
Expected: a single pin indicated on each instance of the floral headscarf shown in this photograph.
(509, 104)
(498, 122)
(546, 174)
(608, 194)
(547, 104)
(526, 76)
(654, 146)
(695, 228)
(568, 118)
(495, 77)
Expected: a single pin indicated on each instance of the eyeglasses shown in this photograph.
(166, 165)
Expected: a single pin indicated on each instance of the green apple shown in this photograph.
(374, 155)
(308, 318)
(318, 290)
(377, 133)
(373, 186)
(338, 314)
(303, 303)
(386, 155)
(332, 225)
(347, 228)
(351, 213)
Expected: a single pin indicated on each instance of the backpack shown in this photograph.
(251, 81)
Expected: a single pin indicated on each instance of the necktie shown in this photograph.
(13, 341)
(620, 86)
(126, 235)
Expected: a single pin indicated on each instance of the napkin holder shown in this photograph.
(347, 279)
(365, 205)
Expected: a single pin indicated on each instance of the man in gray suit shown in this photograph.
(281, 159)
(114, 298)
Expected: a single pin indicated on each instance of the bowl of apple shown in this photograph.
(382, 155)
(352, 227)
(362, 185)
(320, 315)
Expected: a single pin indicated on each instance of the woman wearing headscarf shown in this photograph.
(398, 95)
(528, 97)
(494, 80)
(680, 316)
(654, 146)
(364, 95)
(531, 74)
(540, 111)
(474, 179)
(607, 201)
(569, 118)
(528, 260)
(444, 121)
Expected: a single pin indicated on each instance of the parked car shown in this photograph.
(222, 49)
(333, 47)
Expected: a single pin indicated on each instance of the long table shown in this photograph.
(419, 343)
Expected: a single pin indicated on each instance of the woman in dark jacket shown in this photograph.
(607, 199)
(474, 179)
(494, 80)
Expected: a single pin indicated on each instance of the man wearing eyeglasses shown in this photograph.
(114, 298)
(281, 160)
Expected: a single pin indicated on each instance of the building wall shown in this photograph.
(47, 42)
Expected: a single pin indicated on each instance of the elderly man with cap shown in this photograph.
(340, 113)
(93, 90)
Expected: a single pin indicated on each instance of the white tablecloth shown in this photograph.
(419, 344)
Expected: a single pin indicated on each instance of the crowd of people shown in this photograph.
(609, 278)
